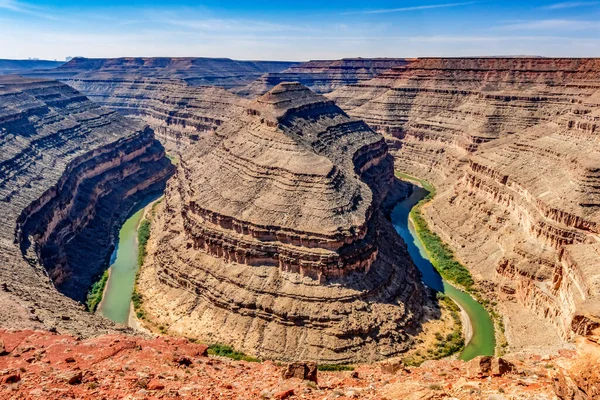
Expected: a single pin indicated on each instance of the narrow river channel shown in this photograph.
(482, 341)
(116, 300)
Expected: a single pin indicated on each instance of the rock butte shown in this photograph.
(512, 144)
(70, 172)
(273, 238)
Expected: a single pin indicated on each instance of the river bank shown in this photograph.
(479, 331)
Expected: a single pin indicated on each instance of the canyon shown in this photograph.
(511, 144)
(274, 235)
(71, 171)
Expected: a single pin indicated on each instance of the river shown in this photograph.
(116, 300)
(483, 341)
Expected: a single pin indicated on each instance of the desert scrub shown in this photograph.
(94, 296)
(440, 254)
(335, 367)
(444, 345)
(143, 236)
(228, 351)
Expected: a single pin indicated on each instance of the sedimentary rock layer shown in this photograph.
(194, 71)
(70, 171)
(512, 144)
(179, 114)
(273, 238)
(323, 76)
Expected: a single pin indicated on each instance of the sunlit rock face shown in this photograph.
(512, 144)
(70, 173)
(273, 238)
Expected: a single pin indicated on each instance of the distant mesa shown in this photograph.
(222, 72)
(323, 76)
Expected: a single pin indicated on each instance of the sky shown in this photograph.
(298, 30)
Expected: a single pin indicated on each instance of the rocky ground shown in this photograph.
(37, 364)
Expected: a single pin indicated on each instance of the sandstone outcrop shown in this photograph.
(223, 72)
(273, 238)
(512, 144)
(70, 173)
(322, 76)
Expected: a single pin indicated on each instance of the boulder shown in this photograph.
(484, 366)
(391, 366)
(301, 370)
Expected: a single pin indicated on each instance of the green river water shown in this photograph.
(483, 341)
(124, 265)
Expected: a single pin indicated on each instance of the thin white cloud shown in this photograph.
(413, 8)
(25, 8)
(226, 25)
(571, 4)
(560, 24)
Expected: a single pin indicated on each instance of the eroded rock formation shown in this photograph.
(70, 172)
(273, 238)
(323, 76)
(512, 144)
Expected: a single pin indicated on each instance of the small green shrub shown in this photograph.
(94, 296)
(143, 236)
(228, 351)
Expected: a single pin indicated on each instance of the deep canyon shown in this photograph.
(274, 234)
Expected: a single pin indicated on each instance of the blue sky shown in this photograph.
(298, 30)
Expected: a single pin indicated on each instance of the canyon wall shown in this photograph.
(178, 113)
(512, 145)
(322, 76)
(71, 172)
(273, 238)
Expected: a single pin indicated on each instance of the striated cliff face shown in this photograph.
(179, 114)
(512, 145)
(273, 238)
(322, 76)
(70, 173)
(222, 72)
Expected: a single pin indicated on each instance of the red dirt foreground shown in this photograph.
(35, 364)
